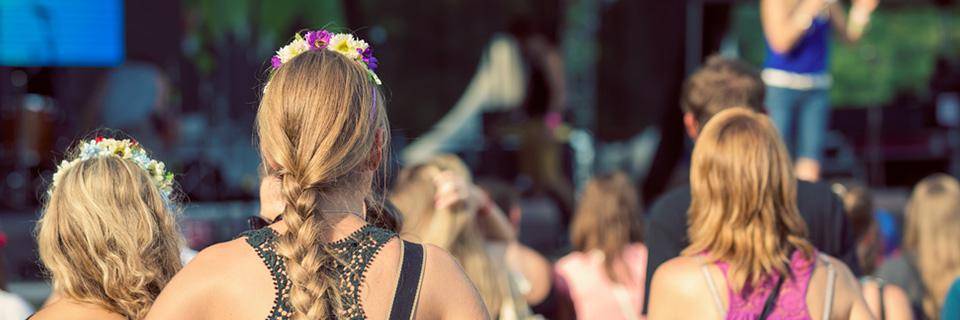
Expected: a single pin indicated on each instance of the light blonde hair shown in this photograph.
(743, 209)
(319, 119)
(607, 218)
(932, 232)
(457, 233)
(107, 236)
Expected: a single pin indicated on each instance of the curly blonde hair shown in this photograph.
(744, 207)
(320, 118)
(107, 236)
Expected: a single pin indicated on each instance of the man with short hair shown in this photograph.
(720, 84)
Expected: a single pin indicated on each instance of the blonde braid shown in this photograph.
(317, 124)
(308, 257)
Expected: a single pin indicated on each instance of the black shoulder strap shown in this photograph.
(772, 299)
(408, 286)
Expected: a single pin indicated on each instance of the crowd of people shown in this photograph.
(750, 237)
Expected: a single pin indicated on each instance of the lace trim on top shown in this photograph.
(792, 301)
(354, 253)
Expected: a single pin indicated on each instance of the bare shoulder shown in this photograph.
(676, 284)
(217, 273)
(895, 294)
(219, 261)
(844, 275)
(447, 293)
(683, 274)
(897, 304)
(69, 310)
(849, 301)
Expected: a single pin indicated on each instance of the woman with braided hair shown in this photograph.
(322, 129)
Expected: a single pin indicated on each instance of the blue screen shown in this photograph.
(61, 32)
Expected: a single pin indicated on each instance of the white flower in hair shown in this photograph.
(346, 44)
(124, 149)
(293, 49)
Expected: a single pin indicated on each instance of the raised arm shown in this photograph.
(784, 25)
(850, 27)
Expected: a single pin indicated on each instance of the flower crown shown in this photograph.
(343, 43)
(124, 149)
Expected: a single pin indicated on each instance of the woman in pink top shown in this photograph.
(604, 277)
(748, 257)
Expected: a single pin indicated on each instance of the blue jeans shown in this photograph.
(802, 117)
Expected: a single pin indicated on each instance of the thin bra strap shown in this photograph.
(828, 297)
(409, 282)
(713, 288)
(883, 307)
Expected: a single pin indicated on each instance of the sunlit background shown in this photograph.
(184, 77)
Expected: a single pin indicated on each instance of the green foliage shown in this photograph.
(897, 53)
(218, 19)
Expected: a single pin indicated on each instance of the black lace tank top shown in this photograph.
(355, 253)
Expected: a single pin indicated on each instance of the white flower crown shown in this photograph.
(124, 149)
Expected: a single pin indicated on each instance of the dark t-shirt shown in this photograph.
(827, 227)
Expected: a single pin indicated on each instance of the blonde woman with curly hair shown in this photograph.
(442, 206)
(107, 236)
(322, 131)
(931, 245)
(748, 257)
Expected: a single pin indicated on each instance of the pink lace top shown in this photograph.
(792, 302)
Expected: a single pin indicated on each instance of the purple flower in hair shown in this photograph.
(368, 58)
(275, 62)
(318, 39)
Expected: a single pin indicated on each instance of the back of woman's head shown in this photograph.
(608, 217)
(858, 206)
(743, 209)
(321, 126)
(108, 236)
(933, 233)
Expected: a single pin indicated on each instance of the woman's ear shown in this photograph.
(272, 202)
(376, 152)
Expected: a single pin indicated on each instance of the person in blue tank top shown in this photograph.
(797, 35)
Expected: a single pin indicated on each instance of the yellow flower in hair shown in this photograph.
(345, 44)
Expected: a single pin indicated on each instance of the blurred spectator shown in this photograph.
(541, 156)
(930, 259)
(604, 276)
(531, 270)
(748, 256)
(886, 301)
(858, 205)
(12, 307)
(721, 84)
(441, 206)
(797, 34)
(135, 98)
